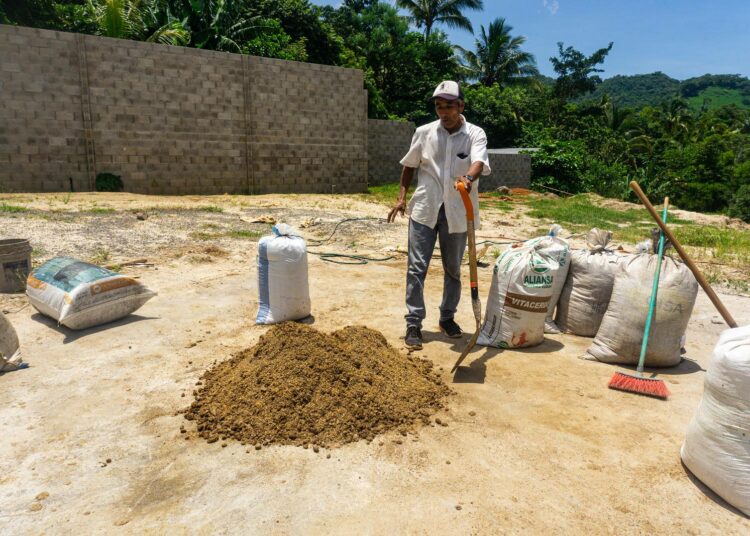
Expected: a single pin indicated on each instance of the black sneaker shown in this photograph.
(450, 328)
(413, 338)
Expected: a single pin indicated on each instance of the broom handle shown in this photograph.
(685, 257)
(654, 292)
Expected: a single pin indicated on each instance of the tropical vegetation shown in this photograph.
(689, 139)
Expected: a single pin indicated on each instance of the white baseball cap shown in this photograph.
(448, 90)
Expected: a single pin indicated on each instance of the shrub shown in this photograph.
(108, 182)
(740, 205)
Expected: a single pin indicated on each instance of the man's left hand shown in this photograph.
(465, 182)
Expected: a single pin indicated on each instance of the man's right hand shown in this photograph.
(398, 208)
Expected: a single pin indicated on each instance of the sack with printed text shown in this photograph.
(620, 334)
(80, 295)
(522, 285)
(559, 249)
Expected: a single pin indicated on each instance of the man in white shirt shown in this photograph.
(442, 152)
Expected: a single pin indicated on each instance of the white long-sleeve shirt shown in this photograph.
(437, 155)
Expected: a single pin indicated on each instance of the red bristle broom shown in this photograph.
(638, 383)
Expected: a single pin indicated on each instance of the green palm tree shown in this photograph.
(143, 20)
(428, 13)
(498, 57)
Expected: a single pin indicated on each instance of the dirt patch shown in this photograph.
(299, 386)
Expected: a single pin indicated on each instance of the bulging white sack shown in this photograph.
(283, 288)
(717, 443)
(559, 249)
(10, 353)
(80, 295)
(520, 292)
(585, 296)
(621, 331)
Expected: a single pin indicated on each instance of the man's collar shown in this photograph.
(462, 128)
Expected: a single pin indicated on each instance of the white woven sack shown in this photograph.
(559, 249)
(10, 353)
(717, 443)
(519, 295)
(585, 296)
(621, 331)
(80, 295)
(284, 292)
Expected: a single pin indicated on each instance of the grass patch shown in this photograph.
(12, 208)
(385, 194)
(211, 208)
(497, 204)
(729, 246)
(99, 210)
(577, 214)
(100, 256)
(243, 234)
(579, 210)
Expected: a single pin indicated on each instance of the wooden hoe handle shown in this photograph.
(685, 257)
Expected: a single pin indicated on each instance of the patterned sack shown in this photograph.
(80, 295)
(522, 285)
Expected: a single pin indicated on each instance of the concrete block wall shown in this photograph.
(308, 127)
(508, 169)
(387, 143)
(167, 119)
(42, 143)
(174, 120)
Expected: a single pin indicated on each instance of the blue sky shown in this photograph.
(680, 38)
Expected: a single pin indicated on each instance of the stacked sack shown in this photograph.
(559, 249)
(717, 444)
(585, 296)
(284, 293)
(520, 293)
(620, 334)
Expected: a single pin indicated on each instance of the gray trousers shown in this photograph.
(421, 245)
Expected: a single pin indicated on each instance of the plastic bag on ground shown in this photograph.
(80, 295)
(10, 353)
(560, 249)
(585, 296)
(717, 442)
(621, 331)
(284, 292)
(520, 292)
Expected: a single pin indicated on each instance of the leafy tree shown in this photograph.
(740, 206)
(147, 20)
(401, 67)
(428, 13)
(303, 22)
(499, 58)
(575, 70)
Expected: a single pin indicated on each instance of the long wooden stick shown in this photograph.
(685, 257)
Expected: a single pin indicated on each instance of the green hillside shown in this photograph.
(707, 91)
(715, 97)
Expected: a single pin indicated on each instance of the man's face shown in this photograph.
(449, 112)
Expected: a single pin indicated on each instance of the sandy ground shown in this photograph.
(549, 449)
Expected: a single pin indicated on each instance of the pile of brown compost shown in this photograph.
(299, 386)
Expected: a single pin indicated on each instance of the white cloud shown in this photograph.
(551, 5)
